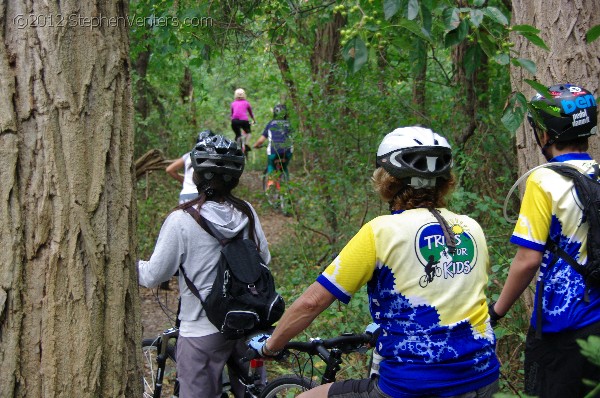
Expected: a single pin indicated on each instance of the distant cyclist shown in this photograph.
(240, 110)
(279, 134)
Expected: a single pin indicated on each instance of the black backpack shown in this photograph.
(243, 299)
(588, 191)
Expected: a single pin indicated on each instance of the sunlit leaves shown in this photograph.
(590, 348)
(457, 35)
(390, 8)
(355, 54)
(514, 112)
(451, 18)
(540, 88)
(531, 34)
(476, 17)
(414, 28)
(593, 34)
(528, 64)
(413, 9)
(496, 15)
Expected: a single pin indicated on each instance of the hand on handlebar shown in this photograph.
(258, 345)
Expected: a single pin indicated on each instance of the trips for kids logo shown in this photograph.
(430, 246)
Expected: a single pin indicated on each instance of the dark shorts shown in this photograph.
(368, 388)
(238, 125)
(554, 365)
(365, 388)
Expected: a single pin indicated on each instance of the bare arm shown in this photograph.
(522, 270)
(250, 112)
(300, 315)
(260, 141)
(173, 168)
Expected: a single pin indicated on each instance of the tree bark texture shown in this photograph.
(69, 303)
(563, 25)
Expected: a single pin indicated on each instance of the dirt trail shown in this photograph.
(159, 306)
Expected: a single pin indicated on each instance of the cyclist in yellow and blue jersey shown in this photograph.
(550, 211)
(426, 270)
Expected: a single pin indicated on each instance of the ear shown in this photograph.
(544, 137)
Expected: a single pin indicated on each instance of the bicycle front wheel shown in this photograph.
(150, 349)
(287, 386)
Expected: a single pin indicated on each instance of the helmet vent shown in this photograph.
(418, 142)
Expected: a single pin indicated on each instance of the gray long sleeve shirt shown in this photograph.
(182, 241)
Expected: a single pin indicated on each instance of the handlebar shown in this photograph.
(346, 343)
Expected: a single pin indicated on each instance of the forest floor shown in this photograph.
(160, 306)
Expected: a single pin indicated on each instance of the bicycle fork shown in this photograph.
(161, 360)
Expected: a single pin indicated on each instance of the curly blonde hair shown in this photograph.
(239, 94)
(401, 196)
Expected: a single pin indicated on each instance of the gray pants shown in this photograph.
(200, 363)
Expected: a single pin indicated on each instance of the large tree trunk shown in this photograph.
(563, 25)
(69, 305)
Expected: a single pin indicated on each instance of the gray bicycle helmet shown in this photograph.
(415, 154)
(279, 112)
(204, 134)
(576, 113)
(218, 155)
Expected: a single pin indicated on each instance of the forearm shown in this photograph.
(522, 270)
(176, 176)
(260, 141)
(173, 168)
(300, 315)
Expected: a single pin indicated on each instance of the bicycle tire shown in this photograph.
(282, 386)
(271, 192)
(150, 349)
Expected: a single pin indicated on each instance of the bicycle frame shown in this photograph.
(253, 380)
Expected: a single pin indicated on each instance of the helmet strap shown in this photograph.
(544, 147)
(208, 190)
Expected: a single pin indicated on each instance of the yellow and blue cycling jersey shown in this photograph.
(431, 306)
(551, 209)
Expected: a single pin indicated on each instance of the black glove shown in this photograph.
(494, 317)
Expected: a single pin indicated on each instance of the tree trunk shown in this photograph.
(69, 304)
(419, 86)
(563, 25)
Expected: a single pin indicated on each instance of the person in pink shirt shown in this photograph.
(240, 109)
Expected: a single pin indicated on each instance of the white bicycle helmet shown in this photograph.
(415, 153)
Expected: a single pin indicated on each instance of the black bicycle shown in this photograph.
(159, 365)
(330, 351)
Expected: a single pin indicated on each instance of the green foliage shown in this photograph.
(590, 348)
(593, 33)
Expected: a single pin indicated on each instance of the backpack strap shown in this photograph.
(191, 286)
